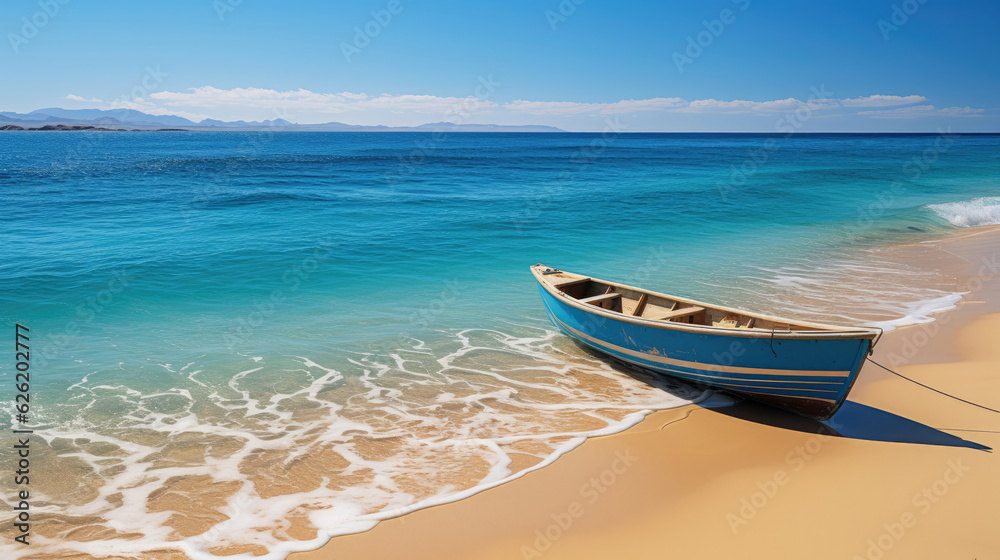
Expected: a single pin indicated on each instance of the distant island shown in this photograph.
(51, 127)
(56, 119)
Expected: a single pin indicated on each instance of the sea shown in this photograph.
(251, 342)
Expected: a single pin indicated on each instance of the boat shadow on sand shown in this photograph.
(853, 421)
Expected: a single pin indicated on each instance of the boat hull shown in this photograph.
(810, 376)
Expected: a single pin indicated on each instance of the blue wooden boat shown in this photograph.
(807, 368)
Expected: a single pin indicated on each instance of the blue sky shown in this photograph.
(719, 65)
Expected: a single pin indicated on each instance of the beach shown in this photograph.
(899, 472)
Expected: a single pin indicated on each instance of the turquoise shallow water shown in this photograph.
(268, 287)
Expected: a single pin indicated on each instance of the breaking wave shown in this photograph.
(971, 213)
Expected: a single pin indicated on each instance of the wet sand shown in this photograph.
(899, 472)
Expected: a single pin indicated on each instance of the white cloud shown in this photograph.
(305, 100)
(573, 108)
(882, 100)
(923, 111)
(303, 105)
(72, 97)
(742, 106)
(714, 106)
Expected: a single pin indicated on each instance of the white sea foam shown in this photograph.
(921, 311)
(874, 287)
(971, 213)
(431, 422)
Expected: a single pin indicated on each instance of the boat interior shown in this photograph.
(648, 305)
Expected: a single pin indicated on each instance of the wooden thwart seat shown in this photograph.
(640, 305)
(598, 300)
(679, 313)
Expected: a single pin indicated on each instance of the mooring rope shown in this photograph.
(932, 388)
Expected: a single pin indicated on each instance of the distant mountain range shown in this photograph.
(132, 120)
